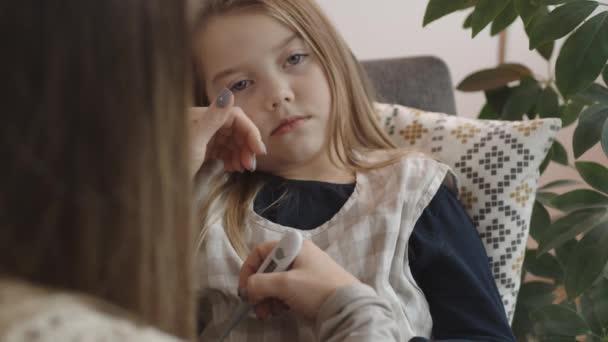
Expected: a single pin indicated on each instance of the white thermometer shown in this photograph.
(279, 260)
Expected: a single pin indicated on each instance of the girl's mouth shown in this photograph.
(289, 124)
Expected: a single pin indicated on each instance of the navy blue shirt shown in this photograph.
(447, 258)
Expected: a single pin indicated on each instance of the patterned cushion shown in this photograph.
(497, 165)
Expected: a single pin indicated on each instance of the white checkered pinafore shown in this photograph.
(368, 236)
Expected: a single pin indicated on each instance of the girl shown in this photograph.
(330, 171)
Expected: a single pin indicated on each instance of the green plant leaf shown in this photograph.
(594, 174)
(487, 113)
(583, 56)
(595, 304)
(559, 321)
(521, 100)
(540, 222)
(546, 50)
(468, 21)
(532, 296)
(439, 8)
(527, 10)
(539, 15)
(545, 265)
(498, 77)
(551, 338)
(554, 2)
(548, 103)
(521, 325)
(594, 338)
(570, 226)
(563, 252)
(485, 12)
(496, 98)
(560, 22)
(504, 19)
(558, 184)
(570, 112)
(589, 129)
(589, 315)
(560, 155)
(595, 93)
(535, 295)
(605, 138)
(588, 261)
(545, 198)
(579, 199)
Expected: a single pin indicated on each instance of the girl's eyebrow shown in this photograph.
(286, 42)
(279, 46)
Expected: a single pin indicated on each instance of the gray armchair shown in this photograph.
(419, 82)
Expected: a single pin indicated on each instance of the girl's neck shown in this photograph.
(321, 168)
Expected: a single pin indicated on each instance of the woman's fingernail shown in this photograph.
(254, 163)
(264, 150)
(223, 98)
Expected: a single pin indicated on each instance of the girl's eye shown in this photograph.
(240, 85)
(296, 59)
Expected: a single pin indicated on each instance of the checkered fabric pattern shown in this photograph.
(368, 236)
(497, 165)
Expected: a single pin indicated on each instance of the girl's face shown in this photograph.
(276, 80)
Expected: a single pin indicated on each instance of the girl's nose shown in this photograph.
(279, 97)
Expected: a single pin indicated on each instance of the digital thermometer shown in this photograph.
(279, 260)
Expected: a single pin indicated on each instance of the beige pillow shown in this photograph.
(497, 164)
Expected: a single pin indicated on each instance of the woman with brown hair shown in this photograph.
(96, 239)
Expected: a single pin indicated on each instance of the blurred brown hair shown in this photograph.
(95, 189)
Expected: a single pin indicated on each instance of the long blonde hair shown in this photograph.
(353, 122)
(95, 181)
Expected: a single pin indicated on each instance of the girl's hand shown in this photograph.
(223, 132)
(314, 277)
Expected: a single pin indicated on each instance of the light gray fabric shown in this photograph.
(419, 82)
(356, 313)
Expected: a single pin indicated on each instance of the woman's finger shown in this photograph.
(254, 261)
(277, 307)
(262, 310)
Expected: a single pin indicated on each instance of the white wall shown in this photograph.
(393, 28)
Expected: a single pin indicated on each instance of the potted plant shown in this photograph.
(572, 253)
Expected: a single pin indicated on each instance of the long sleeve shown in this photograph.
(450, 265)
(356, 314)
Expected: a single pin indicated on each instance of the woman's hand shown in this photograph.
(223, 132)
(314, 277)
